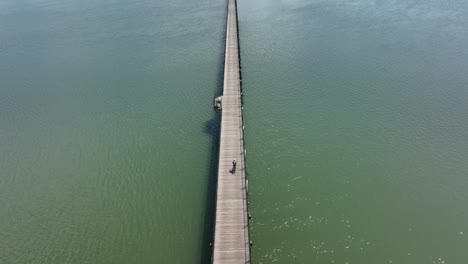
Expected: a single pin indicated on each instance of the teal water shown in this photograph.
(106, 131)
(355, 115)
(356, 130)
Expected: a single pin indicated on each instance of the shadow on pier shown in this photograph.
(212, 128)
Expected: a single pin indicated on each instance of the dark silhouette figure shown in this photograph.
(234, 163)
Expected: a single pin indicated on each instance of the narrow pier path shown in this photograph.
(231, 238)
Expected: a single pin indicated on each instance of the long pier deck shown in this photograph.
(231, 236)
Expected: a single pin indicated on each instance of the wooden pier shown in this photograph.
(231, 237)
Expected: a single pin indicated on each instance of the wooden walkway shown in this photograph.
(231, 238)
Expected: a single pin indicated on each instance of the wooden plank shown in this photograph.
(231, 238)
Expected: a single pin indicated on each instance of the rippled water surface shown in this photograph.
(106, 129)
(357, 130)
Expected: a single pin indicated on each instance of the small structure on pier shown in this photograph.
(217, 103)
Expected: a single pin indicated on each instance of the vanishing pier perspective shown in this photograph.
(231, 235)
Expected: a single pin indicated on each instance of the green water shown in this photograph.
(106, 131)
(356, 129)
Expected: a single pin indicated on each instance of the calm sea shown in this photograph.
(106, 130)
(356, 118)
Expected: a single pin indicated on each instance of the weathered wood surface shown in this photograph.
(231, 239)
